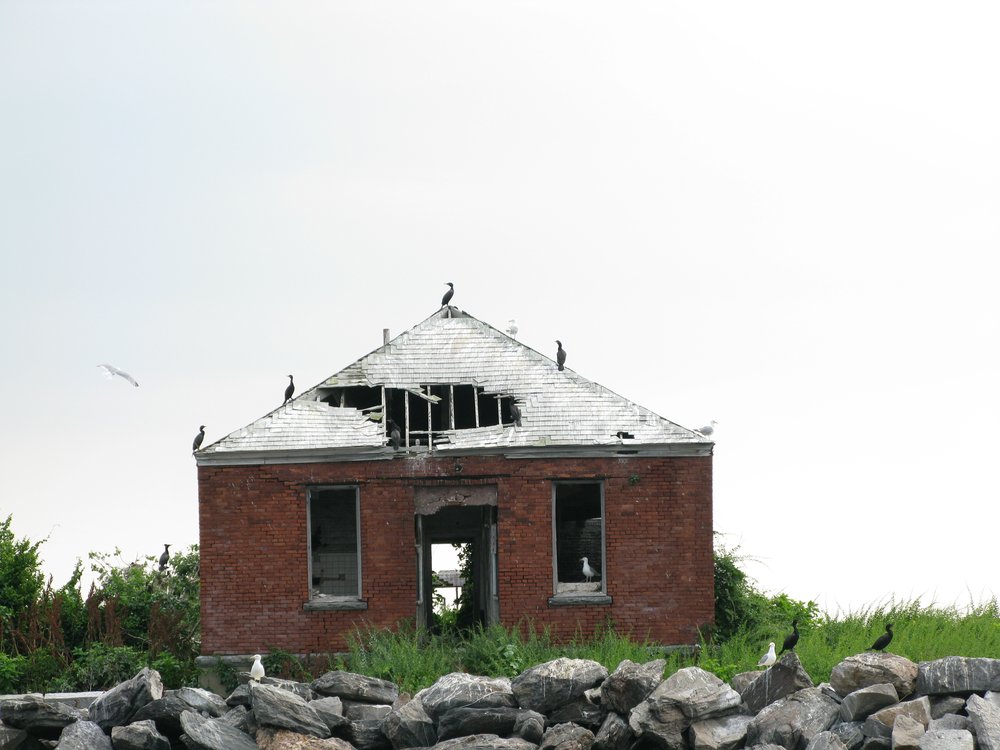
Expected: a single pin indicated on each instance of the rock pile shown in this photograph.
(874, 701)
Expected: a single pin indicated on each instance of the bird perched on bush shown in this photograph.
(164, 557)
(884, 639)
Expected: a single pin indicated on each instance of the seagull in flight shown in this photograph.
(110, 371)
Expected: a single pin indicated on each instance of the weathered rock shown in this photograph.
(783, 678)
(722, 733)
(547, 686)
(614, 734)
(566, 737)
(356, 687)
(458, 722)
(274, 707)
(330, 710)
(165, 712)
(874, 668)
(581, 712)
(301, 689)
(826, 741)
(740, 682)
(946, 704)
(485, 742)
(828, 691)
(115, 707)
(877, 743)
(985, 718)
(947, 739)
(850, 733)
(530, 726)
(139, 735)
(11, 738)
(240, 696)
(213, 734)
(270, 738)
(630, 684)
(794, 720)
(992, 697)
(860, 704)
(409, 726)
(949, 721)
(84, 735)
(460, 689)
(356, 711)
(879, 724)
(906, 733)
(37, 717)
(241, 718)
(958, 674)
(203, 701)
(660, 721)
(765, 747)
(366, 734)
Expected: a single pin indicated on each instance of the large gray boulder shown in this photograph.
(84, 735)
(581, 712)
(115, 707)
(850, 733)
(783, 678)
(11, 738)
(485, 742)
(301, 689)
(165, 712)
(566, 736)
(985, 717)
(366, 734)
(947, 739)
(460, 689)
(949, 721)
(614, 734)
(357, 711)
(410, 726)
(330, 710)
(203, 701)
(630, 684)
(37, 717)
(826, 741)
(459, 722)
(139, 735)
(942, 705)
(793, 721)
(356, 687)
(689, 694)
(274, 707)
(880, 723)
(906, 733)
(213, 734)
(874, 668)
(547, 686)
(722, 733)
(958, 674)
(860, 704)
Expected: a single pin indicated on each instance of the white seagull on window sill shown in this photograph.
(110, 371)
(588, 572)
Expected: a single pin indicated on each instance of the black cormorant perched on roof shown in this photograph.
(560, 355)
(515, 412)
(449, 294)
(884, 639)
(289, 390)
(165, 557)
(791, 639)
(198, 438)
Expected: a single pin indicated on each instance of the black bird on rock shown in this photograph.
(289, 390)
(164, 557)
(198, 438)
(560, 355)
(449, 294)
(791, 639)
(884, 639)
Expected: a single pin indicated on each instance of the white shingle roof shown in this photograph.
(561, 412)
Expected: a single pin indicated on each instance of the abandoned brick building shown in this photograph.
(312, 521)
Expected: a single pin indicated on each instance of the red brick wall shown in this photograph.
(658, 561)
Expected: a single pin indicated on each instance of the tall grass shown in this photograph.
(415, 659)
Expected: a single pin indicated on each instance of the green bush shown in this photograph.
(11, 673)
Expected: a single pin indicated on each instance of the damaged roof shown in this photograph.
(562, 413)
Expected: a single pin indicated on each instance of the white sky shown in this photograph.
(782, 216)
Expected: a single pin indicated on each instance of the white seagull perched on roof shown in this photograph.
(588, 572)
(257, 670)
(769, 658)
(707, 429)
(511, 328)
(110, 371)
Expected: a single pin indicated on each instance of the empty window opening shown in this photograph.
(448, 576)
(579, 534)
(489, 414)
(440, 413)
(360, 397)
(334, 542)
(464, 402)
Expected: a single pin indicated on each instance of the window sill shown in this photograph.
(330, 604)
(576, 600)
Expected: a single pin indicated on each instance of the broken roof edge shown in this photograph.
(344, 455)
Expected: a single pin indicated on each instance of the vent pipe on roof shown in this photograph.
(385, 336)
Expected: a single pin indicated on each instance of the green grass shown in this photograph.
(414, 660)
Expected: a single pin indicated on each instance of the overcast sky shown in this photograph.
(782, 216)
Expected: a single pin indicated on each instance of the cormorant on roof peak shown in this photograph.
(560, 355)
(289, 390)
(449, 294)
(198, 438)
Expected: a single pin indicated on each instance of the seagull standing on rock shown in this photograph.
(769, 658)
(257, 670)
